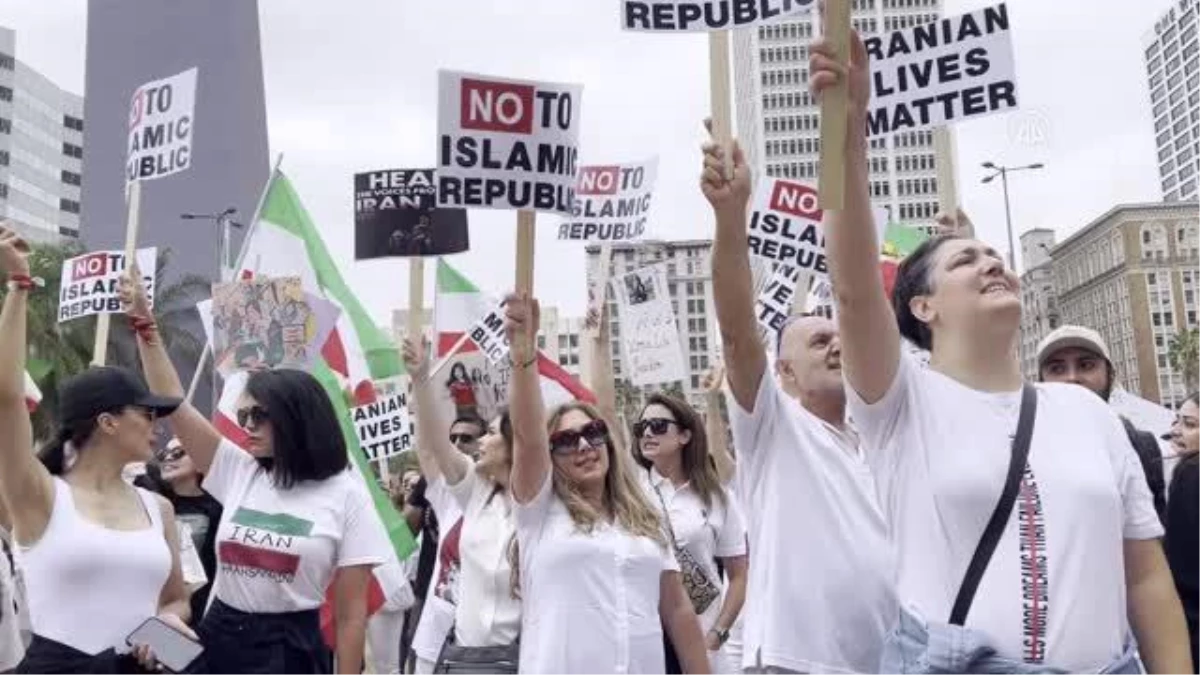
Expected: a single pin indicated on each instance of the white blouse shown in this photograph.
(590, 600)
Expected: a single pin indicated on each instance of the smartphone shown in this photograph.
(174, 650)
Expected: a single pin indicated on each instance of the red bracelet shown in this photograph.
(145, 328)
(24, 281)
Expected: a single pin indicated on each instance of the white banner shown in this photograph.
(774, 303)
(91, 282)
(161, 116)
(507, 144)
(678, 16)
(649, 334)
(956, 68)
(611, 202)
(384, 427)
(488, 334)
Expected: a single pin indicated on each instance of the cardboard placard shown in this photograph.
(384, 427)
(956, 68)
(649, 333)
(396, 215)
(268, 323)
(161, 121)
(612, 202)
(773, 305)
(507, 144)
(680, 16)
(91, 282)
(488, 334)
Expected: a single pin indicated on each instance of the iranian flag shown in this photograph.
(471, 383)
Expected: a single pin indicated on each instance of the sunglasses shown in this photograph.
(254, 414)
(566, 442)
(170, 455)
(462, 439)
(657, 426)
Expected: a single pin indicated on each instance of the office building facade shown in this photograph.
(1172, 57)
(41, 150)
(1039, 301)
(778, 122)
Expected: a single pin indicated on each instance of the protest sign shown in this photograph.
(611, 202)
(820, 299)
(396, 214)
(678, 16)
(384, 427)
(774, 302)
(268, 323)
(91, 282)
(507, 144)
(955, 68)
(488, 334)
(161, 121)
(650, 336)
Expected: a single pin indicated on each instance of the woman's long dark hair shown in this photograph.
(306, 435)
(53, 453)
(697, 465)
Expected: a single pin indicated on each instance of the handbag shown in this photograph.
(999, 520)
(700, 589)
(456, 658)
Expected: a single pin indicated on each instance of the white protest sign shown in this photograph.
(678, 16)
(161, 116)
(774, 303)
(384, 427)
(91, 282)
(488, 334)
(650, 336)
(507, 144)
(785, 225)
(820, 299)
(956, 68)
(611, 202)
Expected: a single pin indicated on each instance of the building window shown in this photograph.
(5, 125)
(3, 191)
(72, 150)
(71, 178)
(72, 123)
(68, 205)
(6, 94)
(3, 158)
(7, 62)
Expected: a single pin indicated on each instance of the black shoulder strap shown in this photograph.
(1004, 507)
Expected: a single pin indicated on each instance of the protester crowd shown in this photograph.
(874, 512)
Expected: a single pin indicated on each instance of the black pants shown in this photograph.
(240, 642)
(48, 656)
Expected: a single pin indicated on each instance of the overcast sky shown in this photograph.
(351, 86)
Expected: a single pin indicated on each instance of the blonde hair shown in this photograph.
(623, 496)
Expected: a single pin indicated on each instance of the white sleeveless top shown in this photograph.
(89, 587)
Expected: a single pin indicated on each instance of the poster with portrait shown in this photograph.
(396, 215)
(268, 323)
(650, 335)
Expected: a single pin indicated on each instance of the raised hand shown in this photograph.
(826, 72)
(957, 223)
(133, 294)
(714, 379)
(416, 359)
(14, 253)
(725, 195)
(522, 318)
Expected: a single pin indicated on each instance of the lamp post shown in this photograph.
(1003, 171)
(225, 220)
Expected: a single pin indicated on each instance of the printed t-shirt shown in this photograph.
(278, 550)
(1054, 591)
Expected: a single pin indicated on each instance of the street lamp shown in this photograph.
(225, 248)
(1003, 172)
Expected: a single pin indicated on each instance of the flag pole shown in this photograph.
(250, 229)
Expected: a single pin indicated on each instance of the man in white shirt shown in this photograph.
(820, 596)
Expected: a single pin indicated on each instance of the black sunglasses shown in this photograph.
(457, 439)
(566, 442)
(254, 414)
(170, 455)
(657, 426)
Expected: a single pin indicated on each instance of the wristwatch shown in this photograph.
(721, 633)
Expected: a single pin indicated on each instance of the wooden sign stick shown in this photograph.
(525, 250)
(416, 299)
(132, 218)
(718, 85)
(831, 181)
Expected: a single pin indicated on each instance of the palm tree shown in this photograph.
(59, 350)
(1184, 356)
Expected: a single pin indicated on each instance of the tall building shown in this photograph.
(1173, 71)
(41, 150)
(1039, 303)
(689, 283)
(1132, 275)
(778, 123)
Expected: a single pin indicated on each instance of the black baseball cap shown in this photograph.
(107, 388)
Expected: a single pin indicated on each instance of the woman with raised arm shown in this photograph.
(1078, 562)
(592, 559)
(99, 556)
(487, 615)
(297, 519)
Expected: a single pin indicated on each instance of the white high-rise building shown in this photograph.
(1173, 70)
(778, 123)
(41, 150)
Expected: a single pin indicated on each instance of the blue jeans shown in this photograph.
(917, 646)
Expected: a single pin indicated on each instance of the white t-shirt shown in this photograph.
(486, 614)
(437, 612)
(277, 550)
(1054, 591)
(590, 600)
(820, 596)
